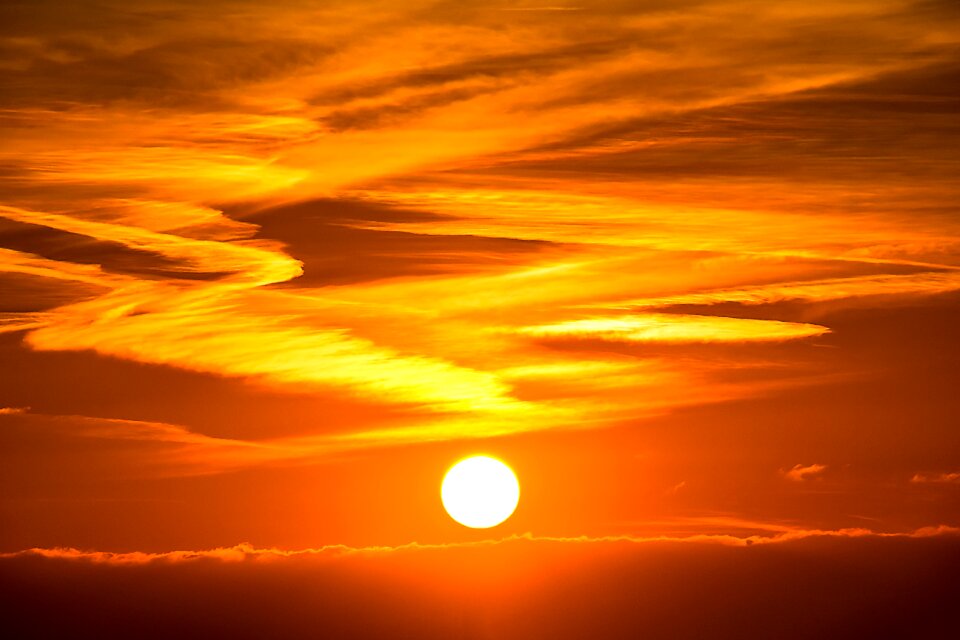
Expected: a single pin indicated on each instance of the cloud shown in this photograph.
(142, 449)
(314, 339)
(623, 221)
(184, 315)
(675, 328)
(12, 411)
(939, 478)
(799, 472)
(251, 262)
(925, 283)
(246, 552)
(677, 487)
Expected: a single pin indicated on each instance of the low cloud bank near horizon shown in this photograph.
(809, 586)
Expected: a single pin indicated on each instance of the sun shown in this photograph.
(480, 492)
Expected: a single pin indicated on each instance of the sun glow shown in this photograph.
(480, 492)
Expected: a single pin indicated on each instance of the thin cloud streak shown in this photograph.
(619, 221)
(676, 328)
(930, 283)
(247, 553)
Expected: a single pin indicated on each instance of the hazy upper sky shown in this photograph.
(267, 269)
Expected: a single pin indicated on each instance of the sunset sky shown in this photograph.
(690, 267)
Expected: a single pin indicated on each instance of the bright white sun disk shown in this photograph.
(480, 492)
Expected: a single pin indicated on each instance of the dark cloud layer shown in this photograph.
(817, 587)
(72, 247)
(335, 251)
(895, 125)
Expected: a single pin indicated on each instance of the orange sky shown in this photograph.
(267, 269)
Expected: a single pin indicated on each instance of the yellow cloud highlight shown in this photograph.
(252, 262)
(215, 333)
(217, 327)
(583, 218)
(675, 328)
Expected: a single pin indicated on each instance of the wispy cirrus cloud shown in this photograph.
(585, 218)
(675, 328)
